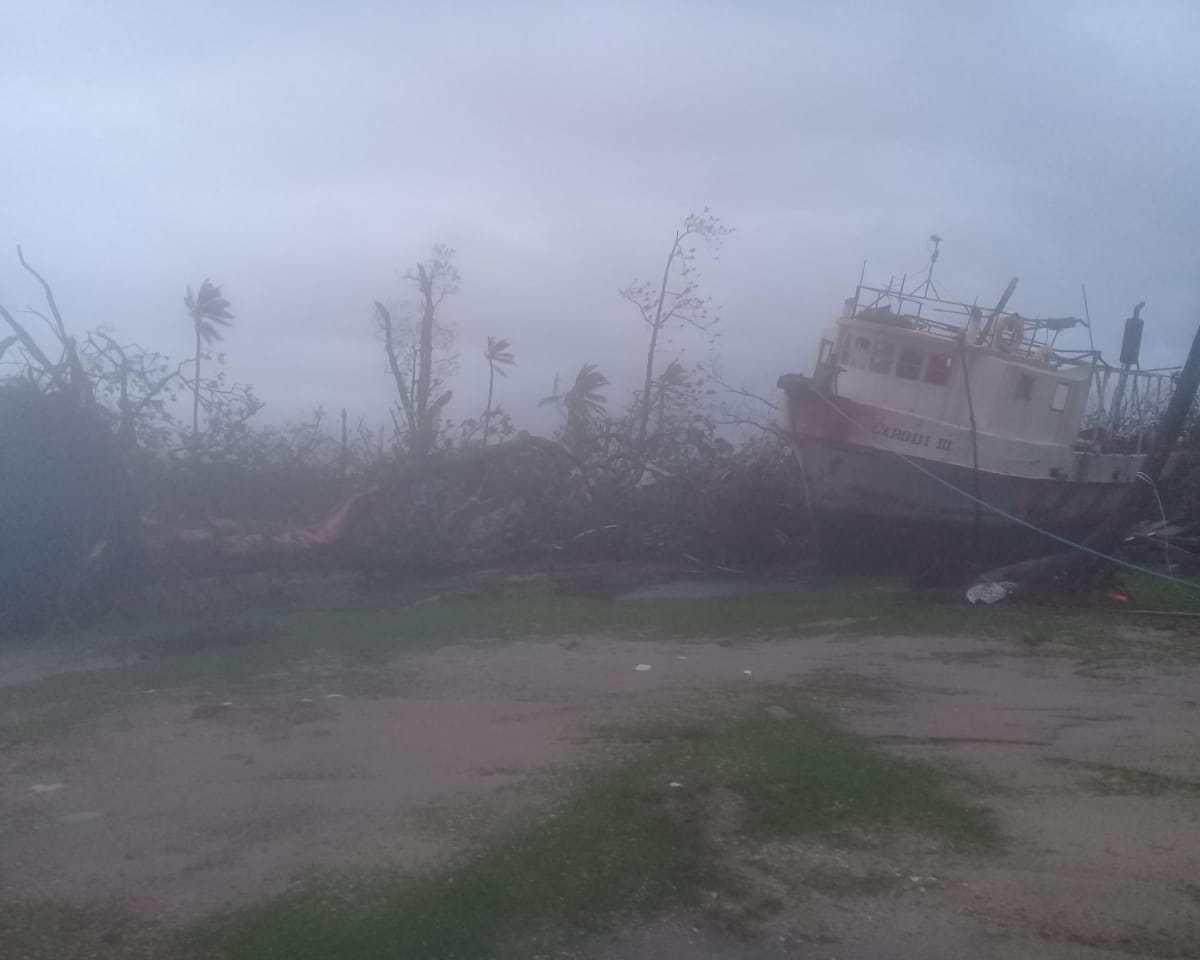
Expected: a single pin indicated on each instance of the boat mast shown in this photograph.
(1131, 346)
(999, 309)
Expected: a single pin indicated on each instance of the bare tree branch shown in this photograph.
(31, 347)
(49, 295)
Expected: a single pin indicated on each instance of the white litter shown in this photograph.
(47, 787)
(227, 703)
(674, 784)
(306, 699)
(335, 696)
(643, 667)
(990, 591)
(748, 673)
(681, 658)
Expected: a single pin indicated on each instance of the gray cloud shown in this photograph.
(303, 155)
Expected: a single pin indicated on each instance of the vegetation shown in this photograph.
(499, 357)
(624, 843)
(1111, 778)
(108, 489)
(309, 649)
(209, 311)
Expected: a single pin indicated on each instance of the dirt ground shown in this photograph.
(192, 799)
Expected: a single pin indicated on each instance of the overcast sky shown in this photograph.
(303, 154)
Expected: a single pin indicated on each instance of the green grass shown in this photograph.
(43, 929)
(273, 650)
(1110, 778)
(1153, 593)
(806, 776)
(623, 845)
(295, 648)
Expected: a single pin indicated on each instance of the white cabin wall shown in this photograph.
(943, 402)
(994, 383)
(1004, 412)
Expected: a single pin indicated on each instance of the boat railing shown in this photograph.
(1030, 338)
(1124, 405)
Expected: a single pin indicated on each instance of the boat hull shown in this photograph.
(871, 504)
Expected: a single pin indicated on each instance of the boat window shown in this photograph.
(826, 350)
(859, 352)
(843, 340)
(1062, 393)
(937, 370)
(882, 356)
(909, 367)
(1025, 386)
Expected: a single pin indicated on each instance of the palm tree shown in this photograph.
(498, 355)
(209, 311)
(581, 405)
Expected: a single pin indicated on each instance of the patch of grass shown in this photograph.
(42, 929)
(805, 776)
(1153, 593)
(1038, 633)
(613, 848)
(273, 650)
(1115, 779)
(623, 844)
(291, 648)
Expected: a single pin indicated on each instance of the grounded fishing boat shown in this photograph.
(930, 423)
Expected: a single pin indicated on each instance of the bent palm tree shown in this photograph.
(581, 405)
(209, 311)
(498, 355)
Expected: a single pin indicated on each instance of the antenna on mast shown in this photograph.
(933, 262)
(933, 259)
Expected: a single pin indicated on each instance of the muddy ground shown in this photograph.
(187, 800)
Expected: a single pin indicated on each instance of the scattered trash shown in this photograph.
(674, 784)
(227, 703)
(748, 673)
(335, 696)
(47, 787)
(1118, 596)
(780, 713)
(643, 667)
(681, 658)
(306, 700)
(151, 690)
(990, 591)
(84, 816)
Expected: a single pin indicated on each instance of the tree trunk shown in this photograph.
(655, 327)
(196, 399)
(487, 413)
(424, 438)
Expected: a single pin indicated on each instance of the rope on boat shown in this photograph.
(1188, 586)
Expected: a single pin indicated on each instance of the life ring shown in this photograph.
(1010, 333)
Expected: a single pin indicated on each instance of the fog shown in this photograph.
(304, 154)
